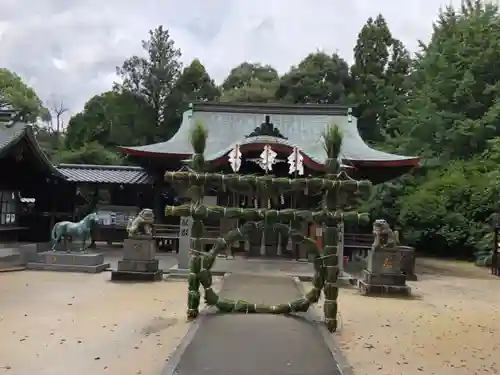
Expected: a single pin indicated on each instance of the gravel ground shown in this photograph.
(450, 327)
(62, 323)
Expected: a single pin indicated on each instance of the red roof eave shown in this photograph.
(409, 162)
(135, 152)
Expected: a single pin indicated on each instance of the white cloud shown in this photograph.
(70, 49)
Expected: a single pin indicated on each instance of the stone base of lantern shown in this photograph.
(383, 284)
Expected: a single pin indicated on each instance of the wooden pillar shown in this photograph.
(73, 193)
(52, 204)
(157, 201)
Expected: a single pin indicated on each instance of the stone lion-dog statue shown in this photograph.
(383, 235)
(142, 224)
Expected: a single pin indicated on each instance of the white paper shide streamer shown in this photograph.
(296, 162)
(235, 158)
(267, 158)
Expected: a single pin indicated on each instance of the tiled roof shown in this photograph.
(105, 174)
(303, 126)
(13, 131)
(10, 130)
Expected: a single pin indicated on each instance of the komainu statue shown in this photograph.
(384, 237)
(142, 224)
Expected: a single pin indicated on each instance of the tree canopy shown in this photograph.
(16, 94)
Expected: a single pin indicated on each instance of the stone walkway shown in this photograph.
(257, 344)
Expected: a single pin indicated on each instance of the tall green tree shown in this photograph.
(319, 78)
(380, 79)
(245, 73)
(454, 106)
(250, 82)
(255, 91)
(153, 79)
(111, 119)
(193, 85)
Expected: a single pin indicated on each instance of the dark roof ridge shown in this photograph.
(273, 108)
(100, 167)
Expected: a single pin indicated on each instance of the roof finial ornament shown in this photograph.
(266, 129)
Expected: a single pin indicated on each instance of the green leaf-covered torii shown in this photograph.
(337, 189)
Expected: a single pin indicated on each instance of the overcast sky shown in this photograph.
(69, 48)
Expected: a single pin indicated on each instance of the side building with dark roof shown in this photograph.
(34, 193)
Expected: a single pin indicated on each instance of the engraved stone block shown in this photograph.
(73, 262)
(139, 249)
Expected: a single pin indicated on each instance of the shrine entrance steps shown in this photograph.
(240, 344)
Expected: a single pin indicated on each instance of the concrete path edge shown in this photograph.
(343, 365)
(172, 364)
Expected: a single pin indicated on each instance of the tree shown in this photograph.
(193, 85)
(111, 119)
(153, 79)
(245, 73)
(454, 105)
(379, 73)
(255, 91)
(319, 78)
(15, 93)
(90, 153)
(449, 212)
(58, 109)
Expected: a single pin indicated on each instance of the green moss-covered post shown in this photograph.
(332, 142)
(196, 192)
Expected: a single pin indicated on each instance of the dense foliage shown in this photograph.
(443, 104)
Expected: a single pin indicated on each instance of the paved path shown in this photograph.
(239, 344)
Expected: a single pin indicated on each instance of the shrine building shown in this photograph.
(251, 127)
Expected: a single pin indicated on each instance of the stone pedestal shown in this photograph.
(383, 274)
(139, 262)
(89, 262)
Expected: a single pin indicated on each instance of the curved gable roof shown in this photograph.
(12, 132)
(302, 125)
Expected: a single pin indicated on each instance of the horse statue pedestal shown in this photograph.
(68, 252)
(139, 261)
(89, 262)
(383, 270)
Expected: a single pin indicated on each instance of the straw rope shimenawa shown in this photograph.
(339, 193)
